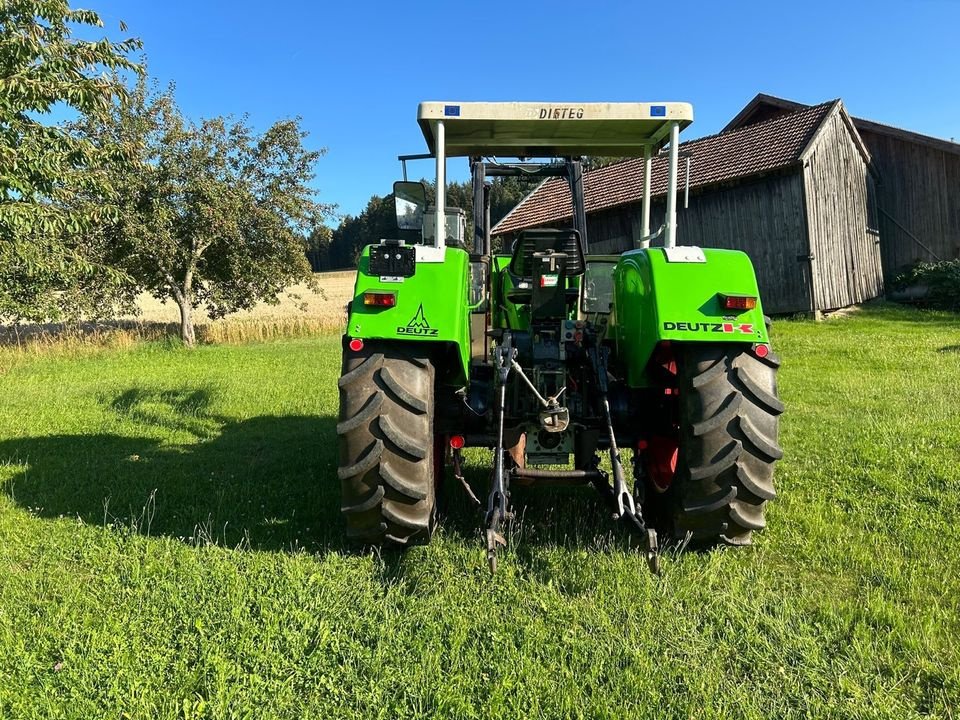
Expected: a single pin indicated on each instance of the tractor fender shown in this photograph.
(429, 307)
(656, 300)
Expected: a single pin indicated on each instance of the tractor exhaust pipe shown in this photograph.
(575, 179)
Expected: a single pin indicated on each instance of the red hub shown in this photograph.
(661, 448)
(660, 457)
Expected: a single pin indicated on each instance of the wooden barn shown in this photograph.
(919, 188)
(796, 192)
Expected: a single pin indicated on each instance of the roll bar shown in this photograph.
(553, 130)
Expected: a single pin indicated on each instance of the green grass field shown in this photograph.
(170, 547)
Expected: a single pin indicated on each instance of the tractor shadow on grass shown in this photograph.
(571, 519)
(265, 483)
(268, 482)
(570, 516)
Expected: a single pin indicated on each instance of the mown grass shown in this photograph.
(170, 547)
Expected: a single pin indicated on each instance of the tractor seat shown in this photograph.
(533, 241)
(521, 266)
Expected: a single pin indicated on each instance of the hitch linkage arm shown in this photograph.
(619, 496)
(497, 511)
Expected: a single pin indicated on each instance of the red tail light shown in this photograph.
(738, 302)
(356, 345)
(761, 351)
(380, 299)
(457, 442)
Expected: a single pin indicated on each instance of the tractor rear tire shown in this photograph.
(729, 423)
(386, 446)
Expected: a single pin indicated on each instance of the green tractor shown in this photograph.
(551, 356)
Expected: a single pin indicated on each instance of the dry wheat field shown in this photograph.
(300, 311)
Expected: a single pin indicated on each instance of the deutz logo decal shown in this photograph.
(725, 327)
(418, 325)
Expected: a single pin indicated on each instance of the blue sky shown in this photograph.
(355, 71)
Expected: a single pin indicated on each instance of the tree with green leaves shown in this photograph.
(46, 262)
(211, 214)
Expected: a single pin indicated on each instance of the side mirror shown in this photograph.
(411, 201)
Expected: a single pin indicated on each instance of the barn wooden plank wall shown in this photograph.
(764, 218)
(920, 189)
(825, 205)
(846, 264)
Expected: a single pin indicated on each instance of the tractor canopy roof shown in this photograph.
(531, 129)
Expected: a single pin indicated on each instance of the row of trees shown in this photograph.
(132, 196)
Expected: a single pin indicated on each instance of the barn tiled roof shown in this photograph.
(767, 102)
(751, 150)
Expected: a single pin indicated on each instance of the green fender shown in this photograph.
(431, 307)
(657, 300)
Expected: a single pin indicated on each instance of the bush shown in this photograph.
(932, 285)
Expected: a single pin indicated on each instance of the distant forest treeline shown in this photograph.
(336, 248)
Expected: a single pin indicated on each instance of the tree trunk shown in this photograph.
(186, 322)
(183, 295)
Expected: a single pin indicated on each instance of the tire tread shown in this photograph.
(385, 438)
(728, 443)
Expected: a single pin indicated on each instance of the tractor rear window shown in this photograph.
(478, 283)
(598, 286)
